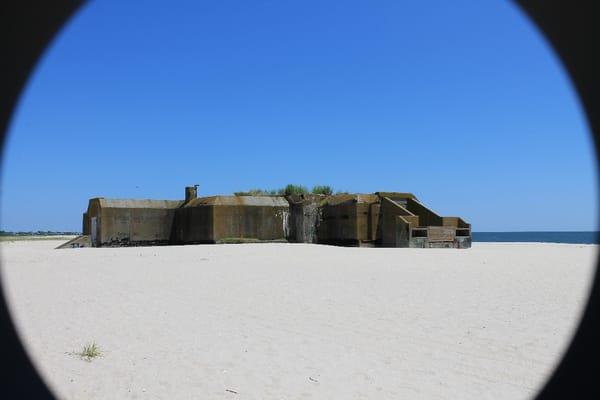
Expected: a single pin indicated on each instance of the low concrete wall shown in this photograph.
(457, 243)
(455, 221)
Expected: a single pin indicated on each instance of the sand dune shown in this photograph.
(297, 321)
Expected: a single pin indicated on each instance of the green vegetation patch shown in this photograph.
(290, 189)
(322, 189)
(258, 192)
(90, 351)
(295, 189)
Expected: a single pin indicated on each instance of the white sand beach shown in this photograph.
(297, 321)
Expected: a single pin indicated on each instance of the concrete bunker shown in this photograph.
(386, 219)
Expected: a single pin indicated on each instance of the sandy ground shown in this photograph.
(295, 321)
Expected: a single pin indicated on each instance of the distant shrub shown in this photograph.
(322, 189)
(341, 192)
(295, 189)
(289, 190)
(257, 192)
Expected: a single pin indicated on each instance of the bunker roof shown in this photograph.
(305, 197)
(269, 201)
(396, 195)
(138, 203)
(355, 198)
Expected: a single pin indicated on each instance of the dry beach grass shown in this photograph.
(295, 321)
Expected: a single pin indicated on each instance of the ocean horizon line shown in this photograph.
(571, 237)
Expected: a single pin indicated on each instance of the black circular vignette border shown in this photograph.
(28, 27)
(572, 29)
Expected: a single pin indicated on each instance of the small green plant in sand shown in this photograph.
(90, 351)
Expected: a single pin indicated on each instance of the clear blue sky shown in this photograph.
(462, 103)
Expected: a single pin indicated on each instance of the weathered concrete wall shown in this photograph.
(225, 218)
(374, 233)
(450, 221)
(426, 216)
(463, 242)
(305, 218)
(391, 225)
(250, 222)
(338, 224)
(455, 221)
(389, 211)
(457, 243)
(363, 222)
(347, 220)
(402, 231)
(135, 225)
(122, 222)
(193, 225)
(441, 233)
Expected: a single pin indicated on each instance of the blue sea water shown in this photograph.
(544, 237)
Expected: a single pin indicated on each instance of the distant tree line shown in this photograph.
(39, 233)
(289, 190)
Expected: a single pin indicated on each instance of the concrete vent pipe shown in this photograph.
(191, 192)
